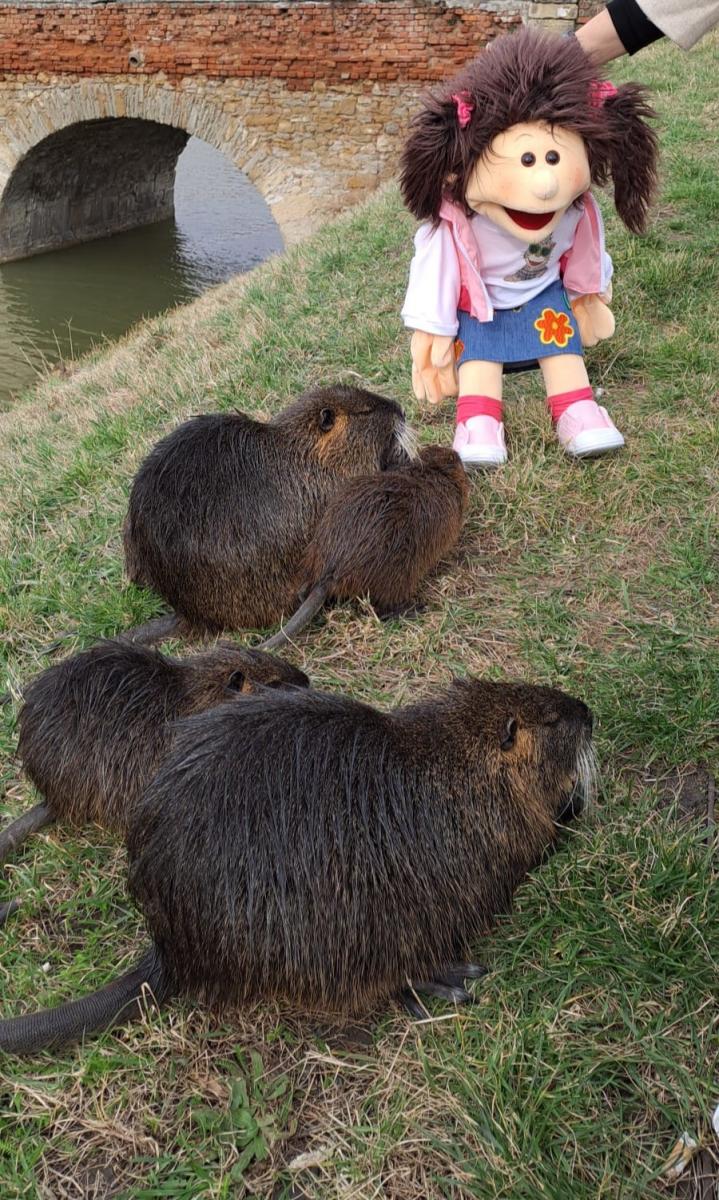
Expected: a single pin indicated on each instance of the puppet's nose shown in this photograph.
(544, 184)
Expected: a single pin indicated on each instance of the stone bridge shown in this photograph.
(310, 98)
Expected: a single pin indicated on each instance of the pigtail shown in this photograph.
(433, 157)
(632, 153)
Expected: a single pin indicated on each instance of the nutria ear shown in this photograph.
(236, 682)
(327, 419)
(510, 734)
(632, 153)
(432, 158)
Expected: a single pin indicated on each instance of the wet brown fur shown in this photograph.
(381, 535)
(94, 727)
(222, 510)
(325, 853)
(523, 77)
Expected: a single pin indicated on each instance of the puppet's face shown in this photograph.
(528, 178)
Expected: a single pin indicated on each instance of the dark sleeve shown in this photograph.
(634, 29)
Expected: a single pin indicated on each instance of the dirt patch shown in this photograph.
(95, 1180)
(689, 791)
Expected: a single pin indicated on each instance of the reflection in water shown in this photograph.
(57, 305)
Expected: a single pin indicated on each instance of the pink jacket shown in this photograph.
(447, 260)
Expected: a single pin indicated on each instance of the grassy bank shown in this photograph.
(593, 1043)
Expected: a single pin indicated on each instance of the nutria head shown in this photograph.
(348, 430)
(227, 670)
(534, 744)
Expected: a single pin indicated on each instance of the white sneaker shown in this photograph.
(586, 430)
(479, 442)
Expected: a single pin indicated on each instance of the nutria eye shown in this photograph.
(510, 735)
(551, 157)
(327, 419)
(236, 682)
(274, 683)
(528, 159)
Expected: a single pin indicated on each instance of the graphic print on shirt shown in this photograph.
(536, 257)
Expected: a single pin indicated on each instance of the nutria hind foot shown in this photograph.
(446, 985)
(409, 611)
(7, 910)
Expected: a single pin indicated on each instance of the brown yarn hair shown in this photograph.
(521, 77)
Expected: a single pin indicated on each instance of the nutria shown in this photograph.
(94, 727)
(222, 510)
(381, 534)
(329, 854)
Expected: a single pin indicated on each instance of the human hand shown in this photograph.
(434, 374)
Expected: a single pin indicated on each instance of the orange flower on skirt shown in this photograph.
(554, 327)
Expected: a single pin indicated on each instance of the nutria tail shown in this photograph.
(29, 822)
(7, 909)
(119, 1001)
(155, 630)
(307, 610)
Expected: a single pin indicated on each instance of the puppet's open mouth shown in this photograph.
(527, 220)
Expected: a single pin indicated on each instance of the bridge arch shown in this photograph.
(88, 160)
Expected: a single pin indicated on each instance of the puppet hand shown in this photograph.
(594, 319)
(434, 374)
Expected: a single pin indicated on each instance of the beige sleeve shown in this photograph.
(684, 21)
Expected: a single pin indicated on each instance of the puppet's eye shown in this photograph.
(528, 159)
(551, 157)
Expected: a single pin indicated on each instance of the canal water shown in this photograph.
(55, 306)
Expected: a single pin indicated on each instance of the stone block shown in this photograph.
(544, 12)
(556, 25)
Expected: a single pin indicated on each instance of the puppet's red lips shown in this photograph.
(527, 220)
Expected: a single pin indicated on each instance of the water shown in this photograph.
(57, 305)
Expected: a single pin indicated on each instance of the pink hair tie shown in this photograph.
(601, 91)
(465, 108)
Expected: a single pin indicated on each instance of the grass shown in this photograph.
(594, 1041)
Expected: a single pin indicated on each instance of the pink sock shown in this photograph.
(559, 403)
(478, 406)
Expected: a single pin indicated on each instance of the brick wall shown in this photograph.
(417, 41)
(587, 9)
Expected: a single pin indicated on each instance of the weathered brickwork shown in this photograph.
(294, 41)
(311, 100)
